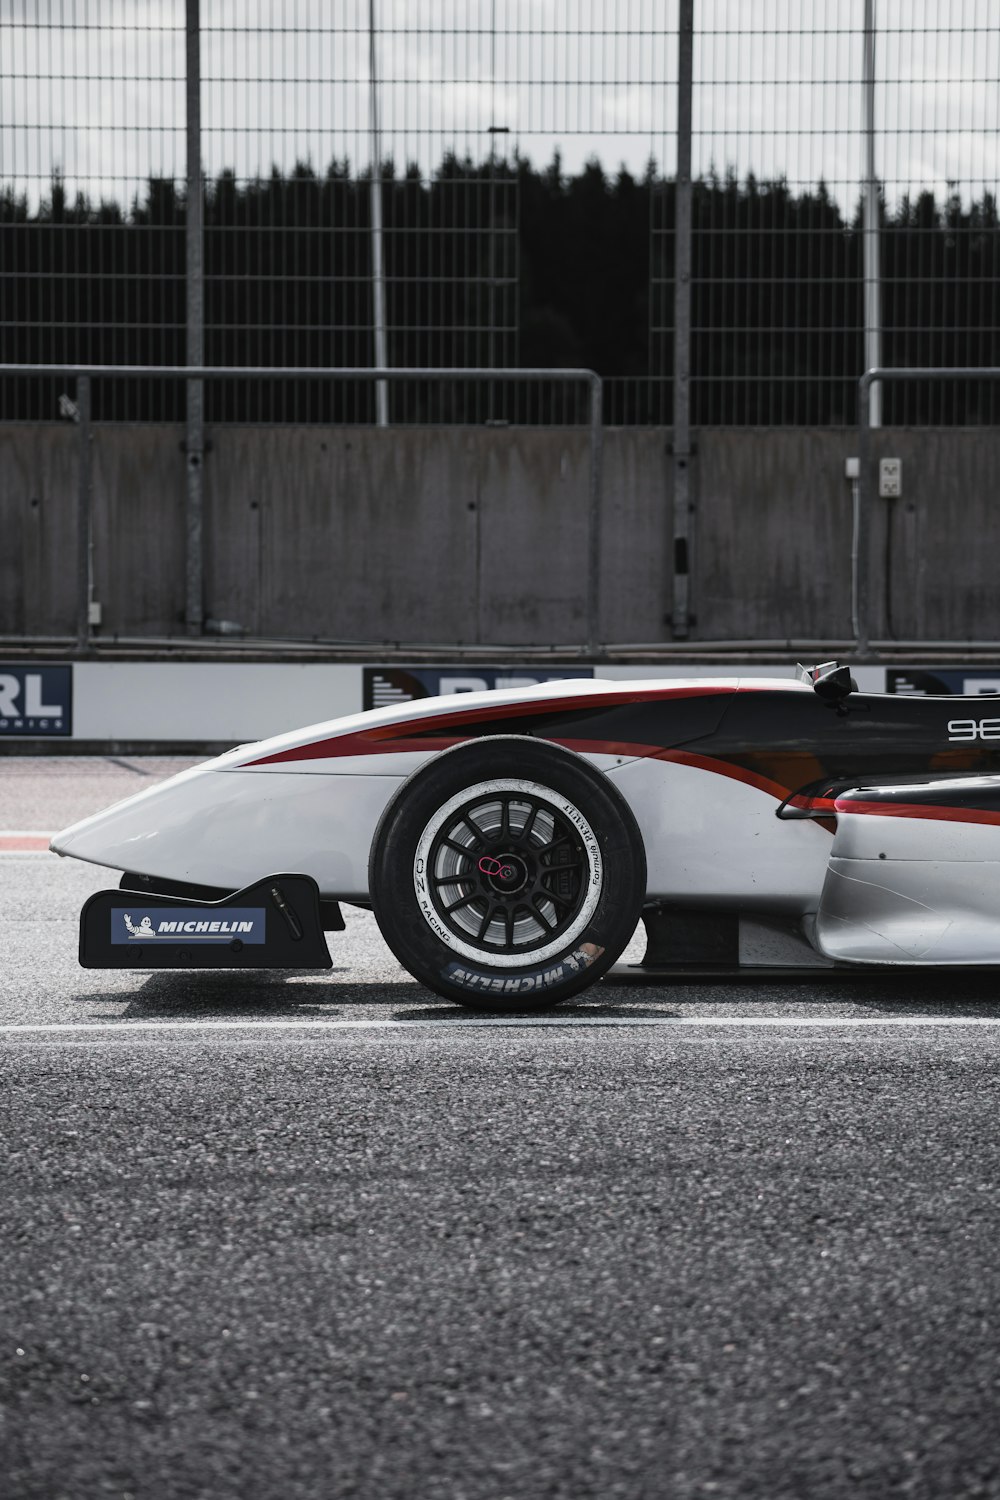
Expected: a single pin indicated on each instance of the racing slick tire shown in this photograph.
(507, 874)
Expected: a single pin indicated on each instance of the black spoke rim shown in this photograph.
(508, 872)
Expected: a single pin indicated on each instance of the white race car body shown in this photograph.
(906, 874)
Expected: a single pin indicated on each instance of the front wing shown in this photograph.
(273, 924)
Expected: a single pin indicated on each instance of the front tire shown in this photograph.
(507, 874)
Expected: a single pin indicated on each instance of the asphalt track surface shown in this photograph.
(329, 1236)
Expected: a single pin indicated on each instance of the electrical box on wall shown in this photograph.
(890, 478)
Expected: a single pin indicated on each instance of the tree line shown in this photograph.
(497, 263)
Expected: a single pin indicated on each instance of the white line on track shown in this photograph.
(802, 1022)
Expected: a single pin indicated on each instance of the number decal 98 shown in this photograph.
(964, 731)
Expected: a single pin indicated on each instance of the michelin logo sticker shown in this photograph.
(164, 924)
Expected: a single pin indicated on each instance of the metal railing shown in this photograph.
(194, 375)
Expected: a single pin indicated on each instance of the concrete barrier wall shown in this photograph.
(773, 535)
(479, 535)
(38, 486)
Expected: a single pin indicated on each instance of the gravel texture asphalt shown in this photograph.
(686, 1240)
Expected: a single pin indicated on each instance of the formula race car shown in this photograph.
(509, 841)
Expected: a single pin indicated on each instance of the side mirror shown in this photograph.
(832, 682)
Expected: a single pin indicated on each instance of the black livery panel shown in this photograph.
(801, 742)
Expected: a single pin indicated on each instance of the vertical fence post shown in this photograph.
(194, 444)
(594, 516)
(872, 228)
(378, 272)
(84, 522)
(863, 525)
(682, 328)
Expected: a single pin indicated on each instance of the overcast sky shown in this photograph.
(96, 87)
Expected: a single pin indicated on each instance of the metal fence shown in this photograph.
(730, 208)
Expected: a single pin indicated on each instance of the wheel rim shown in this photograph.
(508, 872)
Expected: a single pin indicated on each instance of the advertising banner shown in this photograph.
(943, 681)
(388, 685)
(36, 700)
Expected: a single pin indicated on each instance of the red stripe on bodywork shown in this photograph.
(725, 768)
(748, 777)
(419, 734)
(917, 810)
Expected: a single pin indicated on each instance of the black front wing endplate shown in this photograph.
(273, 924)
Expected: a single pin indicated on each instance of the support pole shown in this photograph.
(378, 277)
(594, 515)
(84, 519)
(873, 289)
(681, 617)
(194, 444)
(863, 524)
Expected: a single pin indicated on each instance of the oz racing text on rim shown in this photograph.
(509, 872)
